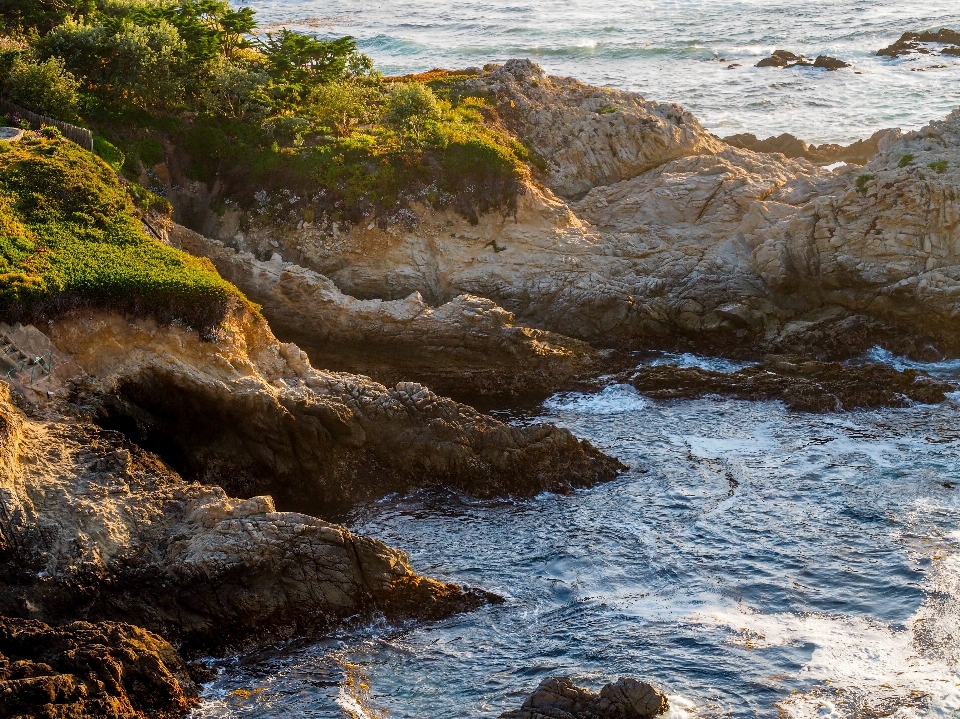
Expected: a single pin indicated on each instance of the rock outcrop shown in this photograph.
(560, 698)
(103, 670)
(253, 416)
(911, 43)
(94, 527)
(589, 136)
(857, 153)
(716, 249)
(785, 58)
(802, 385)
(466, 347)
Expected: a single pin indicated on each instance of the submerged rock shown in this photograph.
(785, 58)
(782, 58)
(560, 698)
(913, 43)
(104, 670)
(802, 385)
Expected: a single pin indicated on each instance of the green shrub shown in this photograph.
(861, 183)
(606, 109)
(44, 87)
(51, 132)
(410, 107)
(940, 166)
(905, 160)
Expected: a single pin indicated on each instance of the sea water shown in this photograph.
(753, 561)
(700, 54)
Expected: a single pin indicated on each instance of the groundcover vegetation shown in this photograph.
(70, 236)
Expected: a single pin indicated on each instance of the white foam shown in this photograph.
(688, 360)
(856, 660)
(948, 369)
(615, 399)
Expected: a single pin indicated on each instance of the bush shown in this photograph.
(342, 106)
(939, 166)
(905, 160)
(44, 87)
(410, 107)
(51, 132)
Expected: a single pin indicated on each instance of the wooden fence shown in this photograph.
(79, 135)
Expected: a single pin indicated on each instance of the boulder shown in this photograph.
(830, 63)
(560, 698)
(913, 42)
(780, 58)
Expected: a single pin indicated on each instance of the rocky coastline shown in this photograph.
(166, 494)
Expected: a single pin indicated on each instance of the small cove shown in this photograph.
(752, 559)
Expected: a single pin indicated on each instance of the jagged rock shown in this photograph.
(467, 346)
(560, 698)
(104, 670)
(589, 136)
(859, 152)
(97, 528)
(803, 386)
(252, 415)
(830, 63)
(912, 42)
(780, 58)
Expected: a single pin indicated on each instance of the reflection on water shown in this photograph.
(752, 561)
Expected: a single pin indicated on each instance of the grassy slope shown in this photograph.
(70, 237)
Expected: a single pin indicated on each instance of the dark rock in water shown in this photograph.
(779, 58)
(858, 153)
(830, 63)
(912, 42)
(106, 670)
(560, 698)
(803, 386)
(784, 58)
(953, 50)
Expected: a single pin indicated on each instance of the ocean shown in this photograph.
(698, 54)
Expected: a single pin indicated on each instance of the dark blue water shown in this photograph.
(752, 561)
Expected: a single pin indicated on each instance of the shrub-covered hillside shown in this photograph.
(294, 127)
(70, 236)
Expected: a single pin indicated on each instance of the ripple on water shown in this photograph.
(753, 560)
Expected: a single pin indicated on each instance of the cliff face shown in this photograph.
(668, 237)
(467, 345)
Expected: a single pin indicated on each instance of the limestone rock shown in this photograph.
(589, 136)
(830, 63)
(560, 698)
(780, 58)
(858, 153)
(105, 670)
(467, 346)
